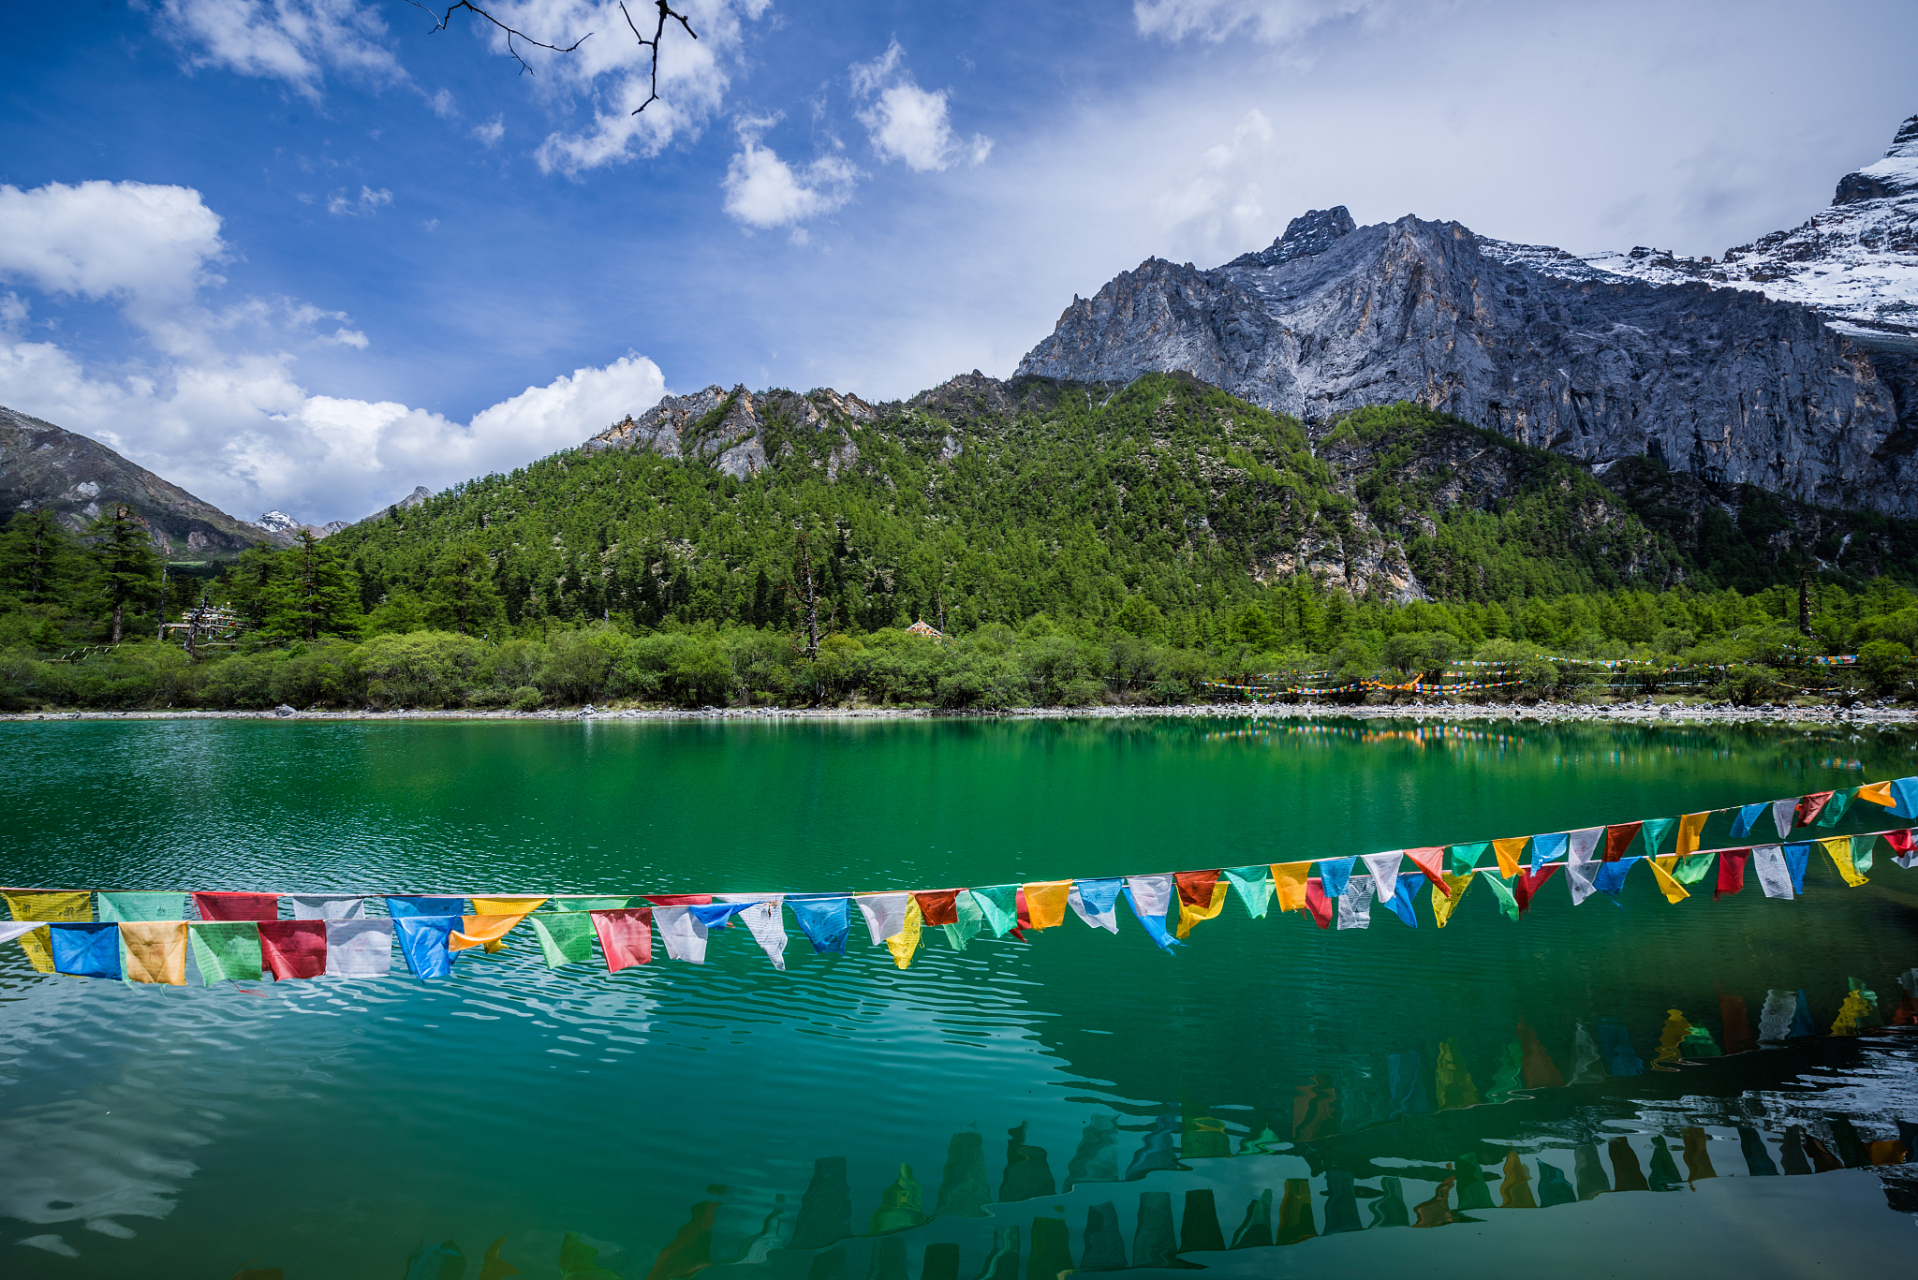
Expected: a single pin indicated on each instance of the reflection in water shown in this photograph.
(1189, 1189)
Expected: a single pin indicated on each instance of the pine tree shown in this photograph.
(313, 595)
(460, 596)
(39, 562)
(127, 568)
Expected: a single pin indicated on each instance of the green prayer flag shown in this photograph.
(133, 907)
(1461, 858)
(225, 950)
(1653, 833)
(1000, 903)
(565, 937)
(589, 904)
(1861, 847)
(971, 921)
(1254, 887)
(1693, 869)
(1506, 902)
(1836, 806)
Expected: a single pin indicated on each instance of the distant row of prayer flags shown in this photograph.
(142, 936)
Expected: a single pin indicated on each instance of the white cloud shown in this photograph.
(1215, 207)
(1271, 21)
(908, 123)
(295, 41)
(764, 191)
(369, 202)
(491, 132)
(443, 105)
(232, 424)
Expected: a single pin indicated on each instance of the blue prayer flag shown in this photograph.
(1333, 873)
(824, 922)
(1742, 824)
(1796, 855)
(1155, 925)
(1611, 876)
(423, 943)
(1403, 892)
(1548, 847)
(424, 906)
(89, 949)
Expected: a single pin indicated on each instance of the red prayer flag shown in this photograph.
(1618, 838)
(1901, 841)
(680, 899)
(237, 906)
(1432, 862)
(1022, 921)
(1195, 887)
(1317, 903)
(1809, 807)
(939, 906)
(1528, 883)
(1731, 871)
(625, 936)
(293, 948)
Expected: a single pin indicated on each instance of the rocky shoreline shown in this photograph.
(1539, 713)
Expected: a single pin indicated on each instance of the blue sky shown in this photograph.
(307, 254)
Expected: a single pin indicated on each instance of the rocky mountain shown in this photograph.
(1725, 383)
(731, 428)
(42, 465)
(285, 526)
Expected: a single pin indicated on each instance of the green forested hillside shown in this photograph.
(1076, 542)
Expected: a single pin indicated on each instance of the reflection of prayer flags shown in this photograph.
(1295, 1212)
(936, 905)
(296, 948)
(1190, 915)
(481, 930)
(626, 935)
(1507, 902)
(682, 932)
(1288, 883)
(1619, 837)
(1317, 903)
(153, 951)
(422, 942)
(42, 906)
(142, 906)
(1510, 854)
(824, 921)
(1404, 889)
(1096, 901)
(417, 905)
(516, 905)
(1838, 849)
(1810, 806)
(1674, 892)
(1731, 871)
(885, 914)
(1046, 902)
(1384, 868)
(1461, 858)
(1444, 904)
(1627, 1173)
(1455, 1087)
(904, 943)
(1691, 828)
(86, 949)
(1254, 887)
(328, 906)
(999, 904)
(1548, 847)
(237, 906)
(565, 937)
(766, 921)
(1516, 1191)
(1333, 873)
(1553, 1186)
(1747, 814)
(1774, 877)
(1432, 862)
(226, 951)
(359, 948)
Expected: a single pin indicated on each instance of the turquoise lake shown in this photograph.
(1036, 1101)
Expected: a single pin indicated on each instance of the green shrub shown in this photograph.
(527, 698)
(423, 669)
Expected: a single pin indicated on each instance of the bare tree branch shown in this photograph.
(658, 31)
(441, 21)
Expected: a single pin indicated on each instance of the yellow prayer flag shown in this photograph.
(517, 905)
(1877, 793)
(47, 905)
(1690, 828)
(482, 930)
(1046, 902)
(1674, 892)
(1190, 915)
(1838, 849)
(1509, 853)
(1288, 879)
(153, 951)
(1516, 1191)
(904, 943)
(1443, 906)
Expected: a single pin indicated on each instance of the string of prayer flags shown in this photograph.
(226, 950)
(328, 906)
(358, 948)
(237, 906)
(44, 907)
(142, 906)
(297, 948)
